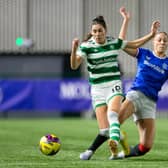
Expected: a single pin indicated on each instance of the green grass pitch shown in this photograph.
(19, 148)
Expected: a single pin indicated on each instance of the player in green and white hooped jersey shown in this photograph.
(100, 53)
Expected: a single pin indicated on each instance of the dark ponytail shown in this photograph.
(88, 36)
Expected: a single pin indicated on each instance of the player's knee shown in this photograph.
(121, 119)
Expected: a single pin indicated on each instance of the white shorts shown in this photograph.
(102, 93)
(144, 106)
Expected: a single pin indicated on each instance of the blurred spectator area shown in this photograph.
(36, 65)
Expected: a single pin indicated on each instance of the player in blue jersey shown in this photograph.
(152, 72)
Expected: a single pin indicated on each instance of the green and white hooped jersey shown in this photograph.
(102, 63)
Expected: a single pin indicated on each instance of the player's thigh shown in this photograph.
(101, 115)
(126, 110)
(114, 103)
(146, 129)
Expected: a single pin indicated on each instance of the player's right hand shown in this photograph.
(75, 43)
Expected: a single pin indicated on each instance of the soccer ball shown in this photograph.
(49, 144)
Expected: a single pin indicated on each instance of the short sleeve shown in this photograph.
(124, 43)
(142, 51)
(81, 52)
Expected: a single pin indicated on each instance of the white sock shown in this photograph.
(114, 132)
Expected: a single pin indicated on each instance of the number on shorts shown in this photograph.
(117, 88)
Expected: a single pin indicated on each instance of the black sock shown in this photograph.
(135, 151)
(99, 140)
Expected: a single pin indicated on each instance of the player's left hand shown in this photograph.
(155, 26)
(125, 14)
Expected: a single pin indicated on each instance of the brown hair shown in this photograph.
(97, 20)
(163, 33)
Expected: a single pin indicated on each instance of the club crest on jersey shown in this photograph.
(147, 57)
(111, 46)
(96, 50)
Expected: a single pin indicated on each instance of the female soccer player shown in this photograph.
(152, 72)
(100, 52)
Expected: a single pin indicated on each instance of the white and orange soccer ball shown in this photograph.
(49, 144)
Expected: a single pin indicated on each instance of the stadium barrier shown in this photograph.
(55, 95)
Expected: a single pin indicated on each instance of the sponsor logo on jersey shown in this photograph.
(111, 46)
(155, 67)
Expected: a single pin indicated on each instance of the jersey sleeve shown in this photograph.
(121, 43)
(81, 51)
(124, 43)
(141, 52)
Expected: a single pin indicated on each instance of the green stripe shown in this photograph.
(115, 125)
(92, 50)
(98, 105)
(113, 44)
(115, 131)
(115, 138)
(96, 61)
(117, 94)
(103, 70)
(104, 79)
(119, 44)
(97, 49)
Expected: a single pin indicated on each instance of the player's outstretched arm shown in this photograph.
(75, 60)
(141, 41)
(131, 47)
(124, 26)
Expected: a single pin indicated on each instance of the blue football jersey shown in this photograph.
(152, 72)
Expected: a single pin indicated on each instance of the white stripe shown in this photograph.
(80, 53)
(106, 54)
(88, 45)
(124, 44)
(114, 128)
(103, 74)
(107, 65)
(114, 134)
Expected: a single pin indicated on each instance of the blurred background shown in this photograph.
(35, 45)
